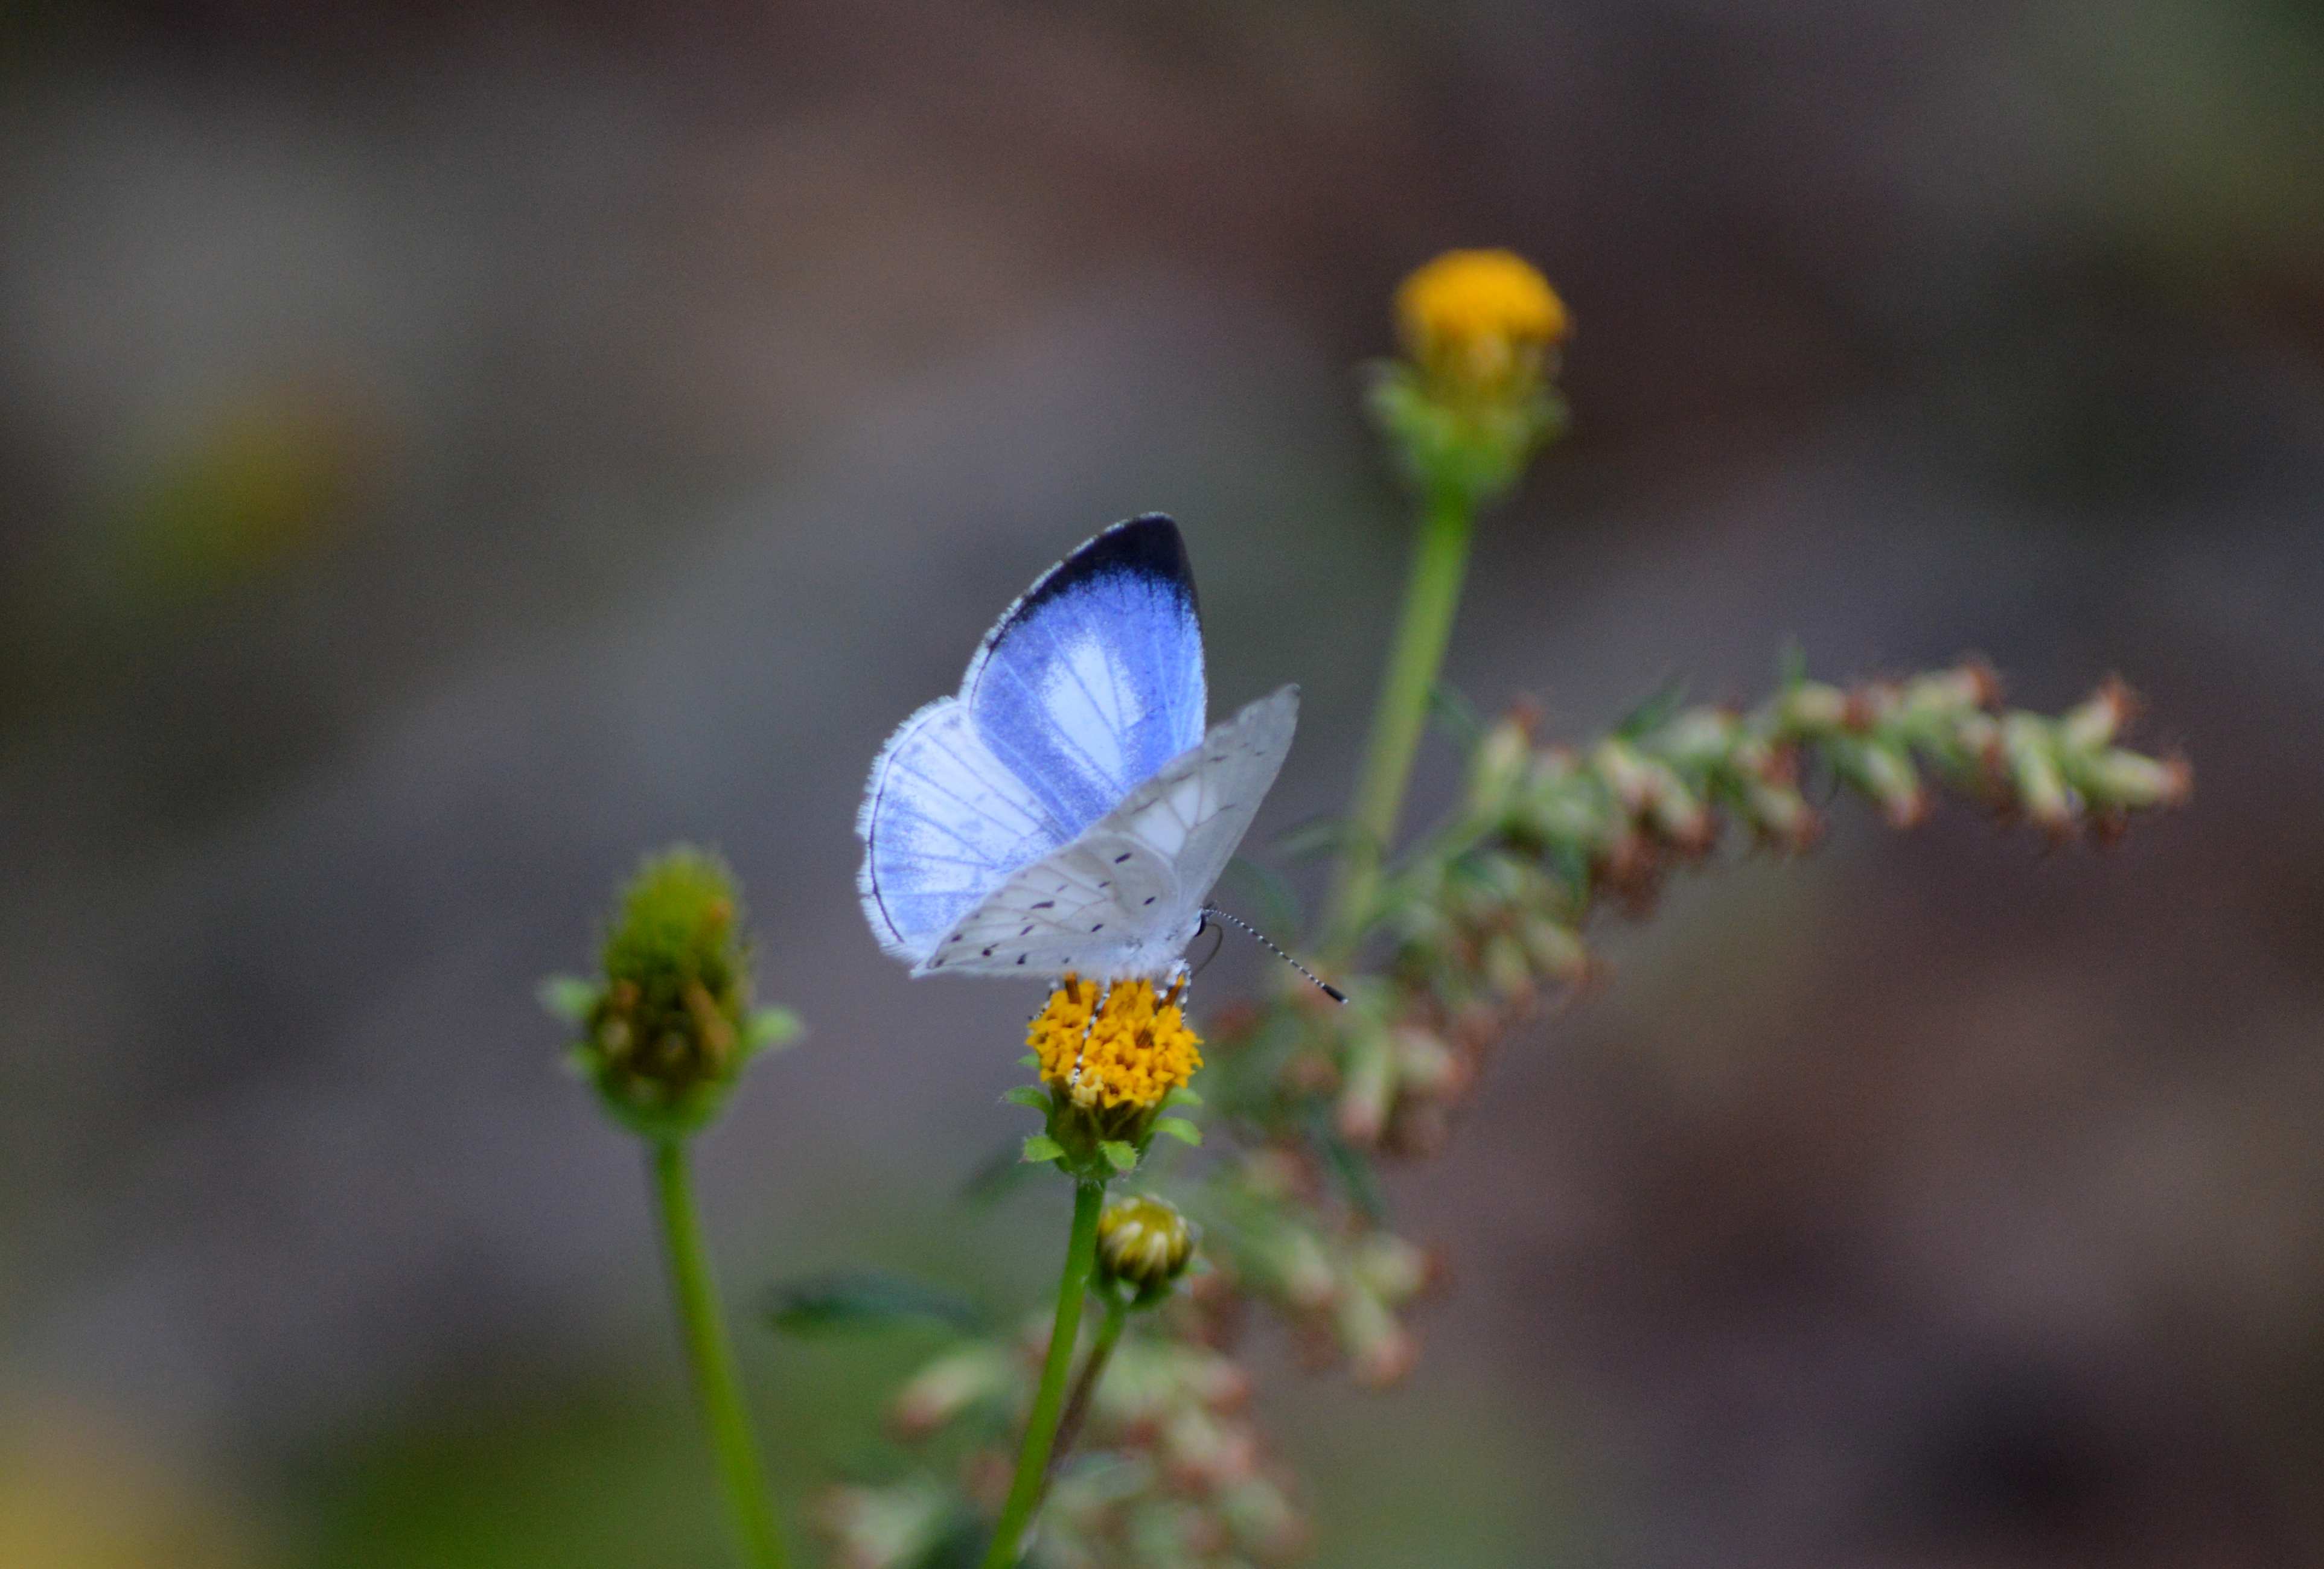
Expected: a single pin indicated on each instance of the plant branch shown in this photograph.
(1078, 1405)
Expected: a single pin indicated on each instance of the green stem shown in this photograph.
(1109, 1333)
(1431, 596)
(1041, 1427)
(712, 1354)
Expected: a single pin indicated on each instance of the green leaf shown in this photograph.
(1183, 1096)
(1180, 1129)
(1000, 1174)
(568, 997)
(1030, 1060)
(1273, 906)
(771, 1027)
(863, 1299)
(1347, 1165)
(1654, 713)
(1041, 1147)
(1322, 836)
(1028, 1095)
(1118, 1155)
(1791, 665)
(1451, 711)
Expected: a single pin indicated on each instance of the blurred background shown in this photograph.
(449, 450)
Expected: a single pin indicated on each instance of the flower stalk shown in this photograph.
(1049, 1396)
(710, 1353)
(1432, 597)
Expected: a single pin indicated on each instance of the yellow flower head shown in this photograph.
(1131, 1046)
(1480, 321)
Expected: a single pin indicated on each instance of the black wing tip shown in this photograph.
(1148, 547)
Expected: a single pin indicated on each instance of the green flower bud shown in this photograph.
(1145, 1244)
(669, 1026)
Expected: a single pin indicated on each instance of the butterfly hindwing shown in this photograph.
(1195, 813)
(1125, 896)
(943, 822)
(1093, 680)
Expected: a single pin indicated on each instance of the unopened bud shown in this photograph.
(951, 1384)
(1812, 706)
(1427, 1065)
(1497, 770)
(1885, 772)
(1391, 1268)
(2129, 780)
(667, 1030)
(1367, 1082)
(2098, 720)
(2041, 787)
(1143, 1243)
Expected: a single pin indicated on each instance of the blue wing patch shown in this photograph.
(1092, 681)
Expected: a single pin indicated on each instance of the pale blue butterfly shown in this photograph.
(1066, 810)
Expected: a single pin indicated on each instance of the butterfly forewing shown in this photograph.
(1093, 681)
(1124, 897)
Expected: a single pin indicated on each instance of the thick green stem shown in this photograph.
(1048, 1400)
(1109, 1335)
(712, 1354)
(1431, 596)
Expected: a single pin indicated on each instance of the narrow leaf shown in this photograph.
(772, 1027)
(1183, 1096)
(1270, 901)
(1180, 1129)
(1347, 1165)
(863, 1299)
(1655, 712)
(1456, 715)
(1028, 1095)
(568, 997)
(1118, 1155)
(1041, 1147)
(997, 1175)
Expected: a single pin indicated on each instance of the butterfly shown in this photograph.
(1066, 810)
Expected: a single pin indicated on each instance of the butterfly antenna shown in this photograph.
(1245, 927)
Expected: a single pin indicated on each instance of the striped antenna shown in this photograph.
(1246, 929)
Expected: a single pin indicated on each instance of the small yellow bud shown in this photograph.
(1143, 1243)
(1480, 322)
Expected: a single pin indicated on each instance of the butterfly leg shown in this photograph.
(1104, 996)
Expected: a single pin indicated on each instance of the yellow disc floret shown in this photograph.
(1480, 320)
(1113, 1045)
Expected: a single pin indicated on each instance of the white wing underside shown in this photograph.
(1125, 897)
